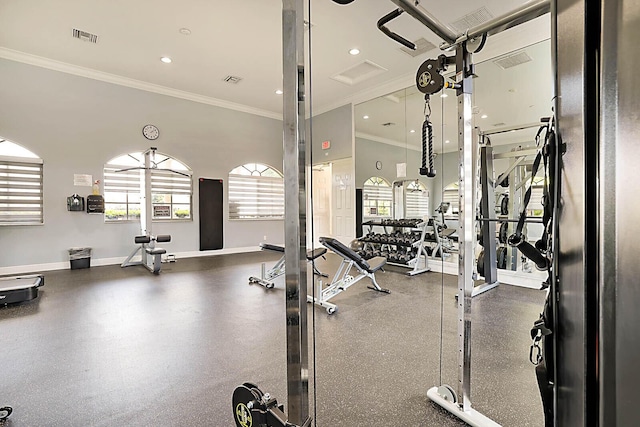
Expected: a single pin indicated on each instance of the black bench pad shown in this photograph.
(156, 251)
(346, 252)
(318, 252)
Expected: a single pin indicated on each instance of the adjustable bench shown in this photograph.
(20, 288)
(151, 257)
(278, 268)
(342, 280)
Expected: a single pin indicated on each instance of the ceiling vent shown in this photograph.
(499, 124)
(232, 79)
(422, 46)
(388, 124)
(84, 36)
(471, 20)
(512, 60)
(358, 73)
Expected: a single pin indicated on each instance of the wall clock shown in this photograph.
(379, 165)
(151, 132)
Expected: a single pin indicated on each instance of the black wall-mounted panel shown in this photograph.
(359, 216)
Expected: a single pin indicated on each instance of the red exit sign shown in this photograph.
(326, 145)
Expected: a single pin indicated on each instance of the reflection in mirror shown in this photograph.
(511, 92)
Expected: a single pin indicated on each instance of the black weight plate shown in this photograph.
(428, 79)
(481, 264)
(480, 240)
(502, 257)
(504, 205)
(241, 397)
(502, 234)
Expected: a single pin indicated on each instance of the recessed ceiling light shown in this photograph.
(166, 60)
(444, 95)
(279, 92)
(412, 131)
(185, 31)
(447, 141)
(354, 51)
(365, 117)
(484, 116)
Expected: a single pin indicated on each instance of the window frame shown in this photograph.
(161, 173)
(376, 182)
(273, 185)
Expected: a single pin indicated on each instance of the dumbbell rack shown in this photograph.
(403, 247)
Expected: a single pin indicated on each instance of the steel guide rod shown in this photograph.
(295, 211)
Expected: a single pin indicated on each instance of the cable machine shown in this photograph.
(150, 255)
(250, 405)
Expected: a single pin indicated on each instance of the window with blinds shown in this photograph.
(417, 200)
(171, 193)
(21, 200)
(256, 191)
(450, 195)
(377, 196)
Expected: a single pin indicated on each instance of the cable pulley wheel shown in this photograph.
(428, 79)
(447, 393)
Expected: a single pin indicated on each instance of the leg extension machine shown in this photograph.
(151, 257)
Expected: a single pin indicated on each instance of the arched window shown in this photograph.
(20, 185)
(450, 195)
(256, 191)
(377, 198)
(171, 193)
(417, 200)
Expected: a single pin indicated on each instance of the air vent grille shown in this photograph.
(358, 73)
(512, 60)
(85, 36)
(499, 124)
(471, 20)
(388, 124)
(422, 46)
(232, 79)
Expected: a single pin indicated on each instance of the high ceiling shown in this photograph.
(238, 38)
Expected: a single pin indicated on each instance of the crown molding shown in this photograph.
(39, 61)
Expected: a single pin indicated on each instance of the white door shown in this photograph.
(343, 212)
(321, 178)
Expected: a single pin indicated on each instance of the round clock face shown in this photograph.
(150, 132)
(379, 165)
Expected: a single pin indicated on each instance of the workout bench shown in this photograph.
(148, 251)
(342, 280)
(278, 269)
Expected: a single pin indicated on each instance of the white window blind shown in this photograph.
(20, 193)
(417, 201)
(171, 193)
(451, 196)
(256, 192)
(377, 197)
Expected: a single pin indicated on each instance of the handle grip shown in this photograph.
(388, 18)
(527, 249)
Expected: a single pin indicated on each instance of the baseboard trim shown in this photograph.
(98, 262)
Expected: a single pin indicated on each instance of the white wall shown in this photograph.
(77, 124)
